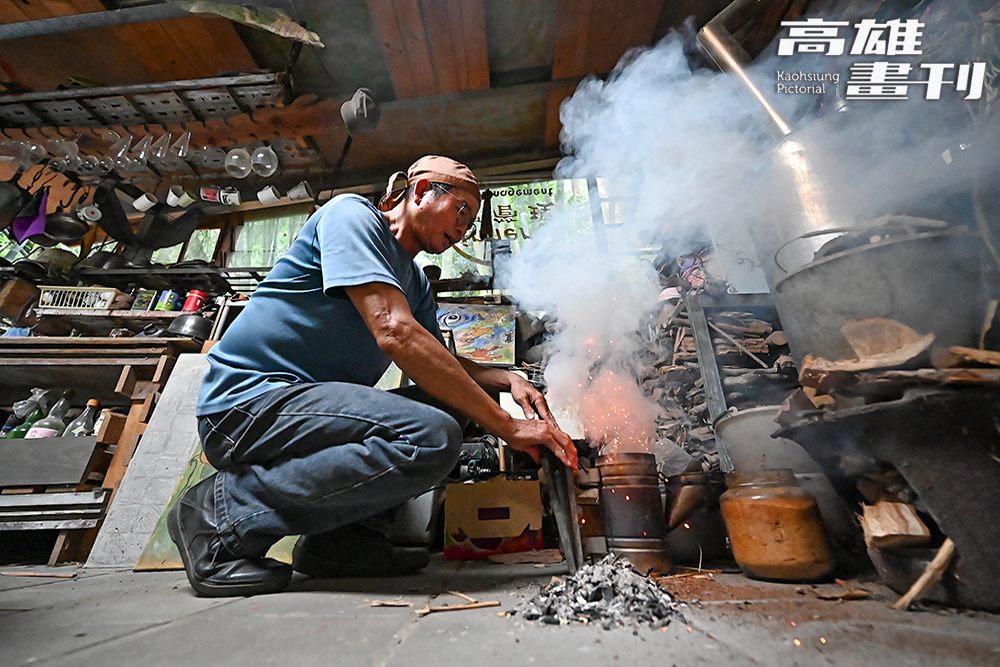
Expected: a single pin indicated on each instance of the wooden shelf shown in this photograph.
(113, 314)
(92, 366)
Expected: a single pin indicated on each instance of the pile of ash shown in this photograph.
(611, 592)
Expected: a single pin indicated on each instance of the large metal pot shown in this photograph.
(931, 282)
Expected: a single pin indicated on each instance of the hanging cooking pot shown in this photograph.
(30, 270)
(47, 267)
(62, 226)
(163, 232)
(102, 259)
(202, 275)
(193, 326)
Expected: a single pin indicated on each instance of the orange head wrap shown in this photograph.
(434, 168)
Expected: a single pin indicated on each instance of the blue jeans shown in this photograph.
(309, 458)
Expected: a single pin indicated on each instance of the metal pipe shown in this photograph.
(718, 43)
(75, 22)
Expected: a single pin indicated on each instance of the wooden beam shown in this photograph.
(473, 31)
(387, 29)
(43, 62)
(572, 24)
(455, 27)
(553, 101)
(414, 38)
(440, 45)
(213, 43)
(134, 428)
(606, 45)
(592, 35)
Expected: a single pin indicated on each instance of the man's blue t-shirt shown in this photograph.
(300, 325)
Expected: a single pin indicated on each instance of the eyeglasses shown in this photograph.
(464, 207)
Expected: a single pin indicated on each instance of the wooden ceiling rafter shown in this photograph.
(441, 46)
(432, 47)
(571, 37)
(587, 42)
(473, 35)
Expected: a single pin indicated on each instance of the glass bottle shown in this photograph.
(29, 421)
(84, 424)
(775, 528)
(53, 424)
(8, 426)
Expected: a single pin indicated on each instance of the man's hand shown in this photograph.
(539, 428)
(527, 435)
(531, 400)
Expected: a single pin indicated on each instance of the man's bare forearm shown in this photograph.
(422, 356)
(490, 379)
(443, 376)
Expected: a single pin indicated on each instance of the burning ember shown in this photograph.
(611, 592)
(616, 414)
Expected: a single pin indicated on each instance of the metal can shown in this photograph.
(194, 301)
(168, 300)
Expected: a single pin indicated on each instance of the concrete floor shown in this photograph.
(112, 617)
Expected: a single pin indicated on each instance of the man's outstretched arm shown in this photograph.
(530, 399)
(438, 372)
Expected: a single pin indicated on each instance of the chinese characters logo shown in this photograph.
(882, 79)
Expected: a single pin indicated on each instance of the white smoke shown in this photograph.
(683, 150)
(670, 144)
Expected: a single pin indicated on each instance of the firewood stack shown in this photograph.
(891, 358)
(753, 364)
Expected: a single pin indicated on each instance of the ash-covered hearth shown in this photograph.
(611, 593)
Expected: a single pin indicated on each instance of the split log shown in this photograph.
(963, 356)
(777, 338)
(828, 375)
(887, 525)
(747, 327)
(963, 376)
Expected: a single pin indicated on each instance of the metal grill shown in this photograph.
(258, 97)
(174, 101)
(19, 115)
(212, 103)
(165, 107)
(63, 112)
(115, 110)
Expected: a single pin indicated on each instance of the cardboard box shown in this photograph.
(494, 517)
